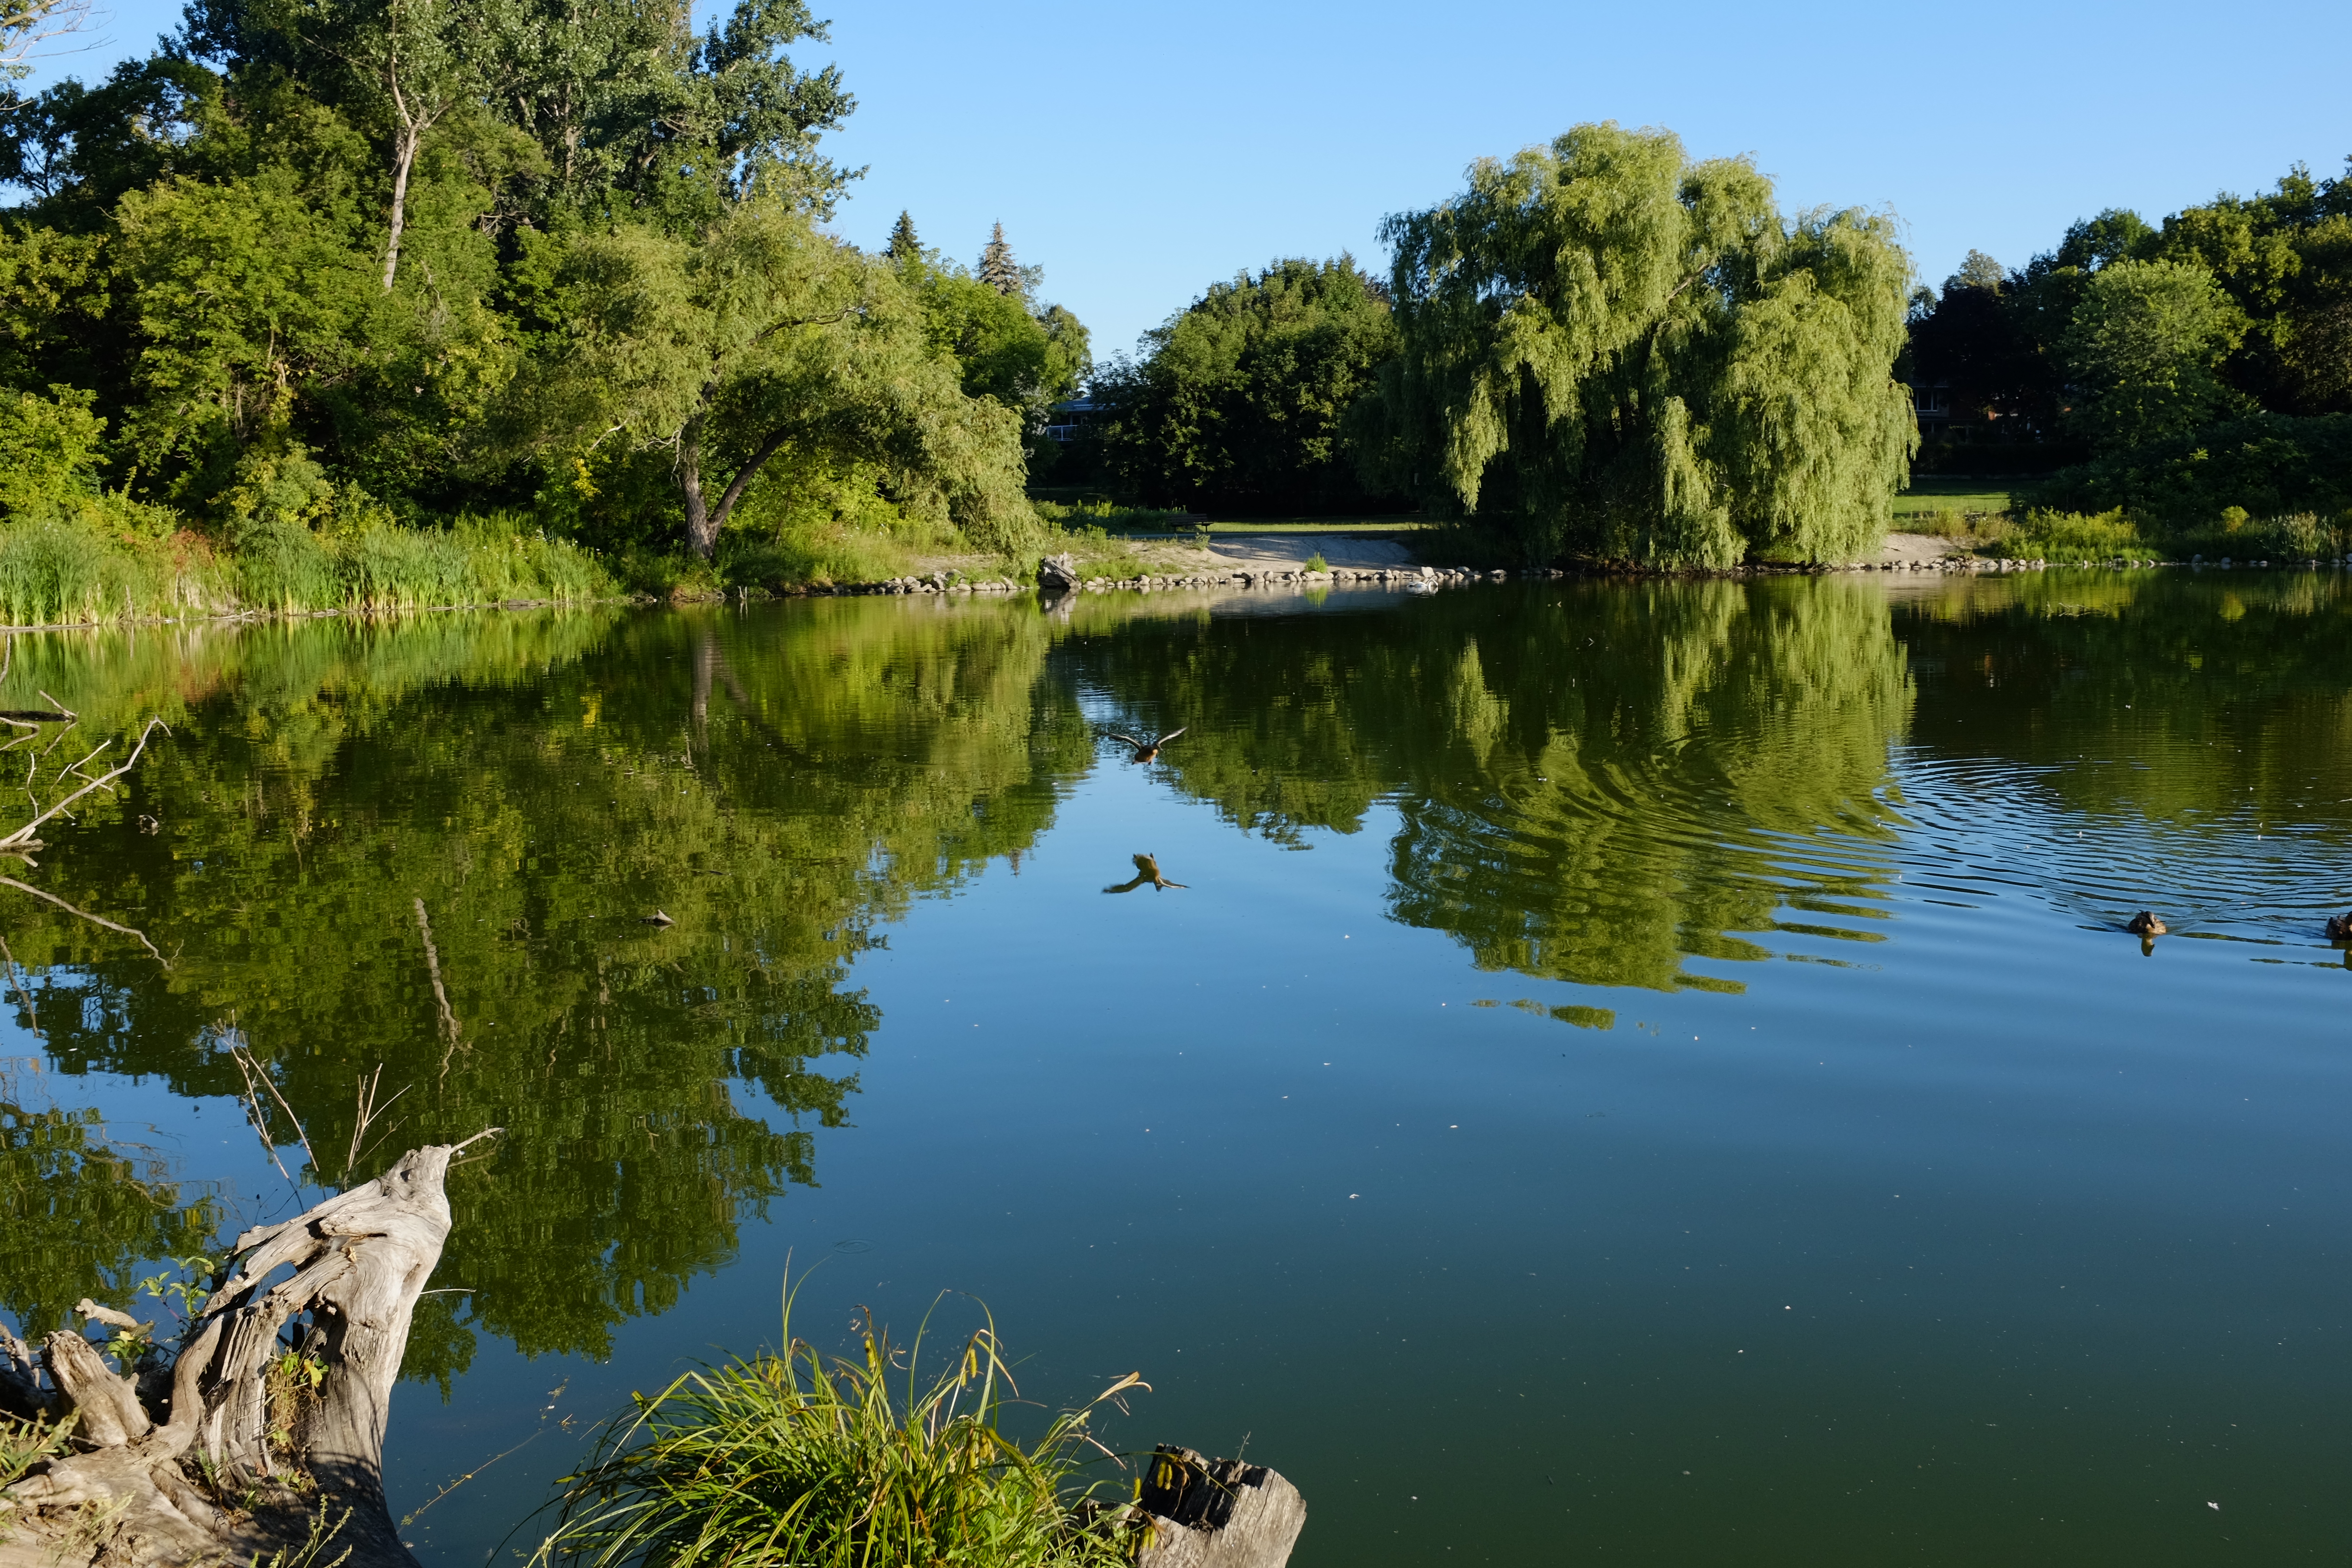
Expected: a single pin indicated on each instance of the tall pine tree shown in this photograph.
(997, 268)
(903, 246)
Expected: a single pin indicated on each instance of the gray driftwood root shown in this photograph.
(1217, 1513)
(1058, 574)
(358, 1262)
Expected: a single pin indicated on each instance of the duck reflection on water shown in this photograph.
(1145, 751)
(1147, 869)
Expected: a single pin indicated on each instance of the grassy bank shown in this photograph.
(1947, 508)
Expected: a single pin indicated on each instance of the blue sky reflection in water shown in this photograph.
(1644, 1073)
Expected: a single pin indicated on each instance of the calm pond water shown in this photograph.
(1640, 1073)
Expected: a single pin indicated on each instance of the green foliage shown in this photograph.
(2160, 352)
(1238, 400)
(2076, 537)
(761, 336)
(370, 238)
(2267, 464)
(1633, 357)
(997, 269)
(48, 451)
(2072, 537)
(792, 1460)
(1108, 516)
(2143, 348)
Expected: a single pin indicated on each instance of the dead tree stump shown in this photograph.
(1058, 574)
(1217, 1513)
(358, 1262)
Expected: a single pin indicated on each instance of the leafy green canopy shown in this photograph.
(1629, 355)
(1013, 348)
(759, 334)
(2143, 349)
(380, 244)
(1238, 400)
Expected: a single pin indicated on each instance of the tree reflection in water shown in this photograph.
(537, 785)
(1608, 784)
(1596, 784)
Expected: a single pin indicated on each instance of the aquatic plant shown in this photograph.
(786, 1459)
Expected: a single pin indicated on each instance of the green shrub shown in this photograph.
(1316, 563)
(48, 452)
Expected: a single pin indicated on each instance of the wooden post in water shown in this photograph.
(1217, 1513)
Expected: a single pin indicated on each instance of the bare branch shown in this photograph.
(272, 1085)
(368, 1112)
(28, 27)
(17, 975)
(128, 764)
(94, 920)
(259, 1117)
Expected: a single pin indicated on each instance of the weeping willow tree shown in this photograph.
(1626, 354)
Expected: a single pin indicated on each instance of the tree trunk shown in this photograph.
(704, 519)
(360, 1260)
(404, 158)
(701, 526)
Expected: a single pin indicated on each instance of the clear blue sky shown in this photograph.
(1140, 152)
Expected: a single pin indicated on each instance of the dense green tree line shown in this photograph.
(2199, 363)
(327, 265)
(1601, 347)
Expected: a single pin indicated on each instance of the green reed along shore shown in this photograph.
(62, 571)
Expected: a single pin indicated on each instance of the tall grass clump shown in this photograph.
(2066, 536)
(2069, 536)
(24, 1444)
(788, 1461)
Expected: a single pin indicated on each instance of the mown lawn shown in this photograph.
(1931, 493)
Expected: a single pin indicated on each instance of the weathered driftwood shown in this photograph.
(1058, 574)
(1217, 1513)
(358, 1262)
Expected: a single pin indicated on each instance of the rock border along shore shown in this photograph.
(953, 582)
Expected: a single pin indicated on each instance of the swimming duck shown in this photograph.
(2339, 928)
(2145, 924)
